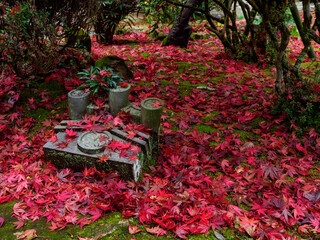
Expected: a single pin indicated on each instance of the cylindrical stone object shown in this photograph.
(151, 111)
(118, 99)
(78, 101)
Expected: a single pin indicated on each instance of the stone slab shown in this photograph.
(92, 108)
(134, 111)
(71, 157)
(143, 140)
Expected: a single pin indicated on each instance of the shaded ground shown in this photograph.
(227, 166)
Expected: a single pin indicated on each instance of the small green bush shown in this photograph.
(301, 104)
(28, 41)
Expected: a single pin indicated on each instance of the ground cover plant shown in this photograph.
(228, 168)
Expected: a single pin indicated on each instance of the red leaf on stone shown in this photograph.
(71, 133)
(62, 145)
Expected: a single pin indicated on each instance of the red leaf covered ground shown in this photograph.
(225, 160)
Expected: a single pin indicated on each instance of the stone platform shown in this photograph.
(72, 157)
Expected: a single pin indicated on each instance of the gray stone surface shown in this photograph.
(117, 64)
(151, 113)
(72, 157)
(78, 101)
(90, 142)
(92, 108)
(134, 111)
(118, 99)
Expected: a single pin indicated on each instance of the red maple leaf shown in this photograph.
(131, 134)
(114, 144)
(117, 121)
(157, 104)
(103, 158)
(124, 145)
(28, 234)
(134, 229)
(62, 145)
(181, 231)
(47, 123)
(99, 102)
(53, 138)
(135, 148)
(70, 132)
(271, 171)
(156, 230)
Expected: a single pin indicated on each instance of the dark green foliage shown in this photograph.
(28, 41)
(75, 59)
(100, 80)
(79, 39)
(108, 15)
(300, 104)
(158, 12)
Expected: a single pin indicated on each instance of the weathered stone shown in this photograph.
(72, 157)
(134, 111)
(118, 99)
(117, 64)
(78, 101)
(92, 108)
(91, 143)
(77, 156)
(151, 110)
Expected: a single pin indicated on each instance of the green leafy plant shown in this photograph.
(28, 41)
(99, 80)
(75, 59)
(108, 16)
(301, 104)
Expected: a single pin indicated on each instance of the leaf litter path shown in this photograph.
(225, 160)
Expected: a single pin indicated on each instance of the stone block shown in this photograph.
(134, 111)
(92, 108)
(75, 157)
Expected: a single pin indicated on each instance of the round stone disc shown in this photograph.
(148, 103)
(92, 143)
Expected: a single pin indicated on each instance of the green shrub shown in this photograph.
(301, 104)
(99, 80)
(29, 42)
(108, 17)
(78, 38)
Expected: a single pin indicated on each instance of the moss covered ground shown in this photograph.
(113, 225)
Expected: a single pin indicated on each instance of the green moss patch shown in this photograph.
(244, 135)
(205, 129)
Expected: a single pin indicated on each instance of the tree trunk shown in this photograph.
(302, 31)
(180, 32)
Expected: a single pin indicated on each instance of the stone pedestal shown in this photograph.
(84, 151)
(78, 101)
(134, 111)
(118, 99)
(151, 111)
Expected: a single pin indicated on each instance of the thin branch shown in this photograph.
(220, 20)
